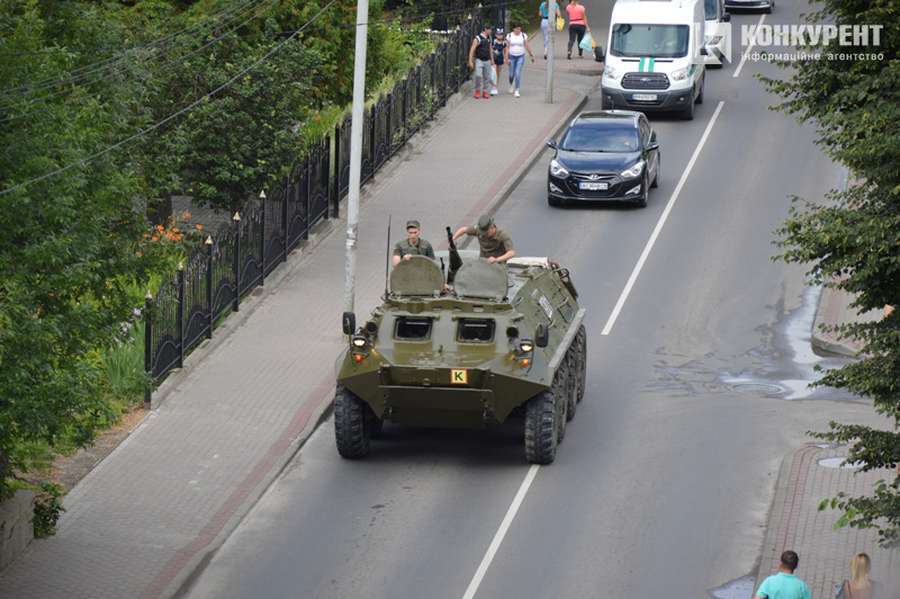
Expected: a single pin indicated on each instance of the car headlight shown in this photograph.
(558, 170)
(610, 72)
(680, 74)
(634, 171)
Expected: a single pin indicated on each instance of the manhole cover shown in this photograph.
(760, 388)
(838, 462)
(742, 588)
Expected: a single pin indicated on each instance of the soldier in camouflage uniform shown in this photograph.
(496, 244)
(413, 245)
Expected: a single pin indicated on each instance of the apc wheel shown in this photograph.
(541, 428)
(374, 423)
(351, 426)
(581, 377)
(561, 389)
(572, 379)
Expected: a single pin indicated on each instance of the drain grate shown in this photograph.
(758, 388)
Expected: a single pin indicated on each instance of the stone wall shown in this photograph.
(16, 528)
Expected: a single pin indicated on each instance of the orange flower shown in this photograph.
(160, 228)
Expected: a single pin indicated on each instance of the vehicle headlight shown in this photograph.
(558, 170)
(526, 346)
(680, 74)
(634, 171)
(610, 73)
(359, 342)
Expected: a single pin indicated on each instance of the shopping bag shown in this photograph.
(587, 42)
(560, 23)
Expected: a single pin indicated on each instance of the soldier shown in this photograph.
(496, 244)
(413, 245)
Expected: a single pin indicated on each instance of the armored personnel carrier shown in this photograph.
(501, 339)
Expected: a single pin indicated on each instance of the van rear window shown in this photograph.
(475, 330)
(412, 328)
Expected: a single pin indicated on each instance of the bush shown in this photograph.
(47, 509)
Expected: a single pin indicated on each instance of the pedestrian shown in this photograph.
(578, 25)
(784, 584)
(517, 45)
(860, 586)
(546, 26)
(499, 49)
(482, 60)
(496, 245)
(413, 245)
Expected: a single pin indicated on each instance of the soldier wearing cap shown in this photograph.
(496, 244)
(413, 245)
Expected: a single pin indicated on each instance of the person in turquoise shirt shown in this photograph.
(546, 25)
(784, 584)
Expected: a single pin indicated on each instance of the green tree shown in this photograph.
(852, 240)
(69, 243)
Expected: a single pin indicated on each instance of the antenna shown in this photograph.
(387, 258)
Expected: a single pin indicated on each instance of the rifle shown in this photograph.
(455, 260)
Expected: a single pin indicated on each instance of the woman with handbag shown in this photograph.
(578, 25)
(546, 26)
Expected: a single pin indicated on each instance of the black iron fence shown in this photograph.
(239, 255)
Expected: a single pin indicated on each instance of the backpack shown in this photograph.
(483, 51)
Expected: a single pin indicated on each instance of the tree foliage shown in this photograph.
(852, 239)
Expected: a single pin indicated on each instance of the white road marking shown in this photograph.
(501, 532)
(659, 225)
(737, 71)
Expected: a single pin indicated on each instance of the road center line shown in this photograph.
(737, 71)
(659, 225)
(501, 532)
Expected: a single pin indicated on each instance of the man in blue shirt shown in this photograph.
(784, 585)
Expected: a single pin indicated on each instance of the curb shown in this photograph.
(203, 549)
(829, 301)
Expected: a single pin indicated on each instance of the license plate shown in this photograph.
(593, 185)
(644, 97)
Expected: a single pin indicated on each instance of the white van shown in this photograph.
(716, 38)
(654, 58)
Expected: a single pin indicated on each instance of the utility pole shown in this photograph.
(551, 32)
(356, 136)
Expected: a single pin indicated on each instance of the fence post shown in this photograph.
(180, 315)
(284, 214)
(372, 141)
(325, 153)
(336, 191)
(262, 237)
(209, 285)
(236, 266)
(148, 349)
(307, 168)
(403, 107)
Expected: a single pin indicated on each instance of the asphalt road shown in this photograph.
(662, 485)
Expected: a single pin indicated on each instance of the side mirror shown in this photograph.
(653, 137)
(551, 144)
(348, 323)
(653, 145)
(541, 335)
(703, 51)
(726, 18)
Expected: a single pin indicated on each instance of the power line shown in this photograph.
(174, 115)
(99, 66)
(170, 60)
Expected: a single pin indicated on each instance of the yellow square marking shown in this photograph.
(459, 376)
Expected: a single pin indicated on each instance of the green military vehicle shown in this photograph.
(500, 339)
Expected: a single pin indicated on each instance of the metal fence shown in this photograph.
(239, 255)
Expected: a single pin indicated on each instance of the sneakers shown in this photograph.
(569, 55)
(493, 91)
(512, 88)
(486, 95)
(477, 93)
(516, 94)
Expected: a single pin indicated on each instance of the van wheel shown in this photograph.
(699, 99)
(688, 112)
(605, 104)
(541, 428)
(351, 426)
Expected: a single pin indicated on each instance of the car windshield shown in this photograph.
(601, 138)
(659, 41)
(711, 8)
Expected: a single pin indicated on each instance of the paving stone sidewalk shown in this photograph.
(146, 516)
(834, 309)
(807, 476)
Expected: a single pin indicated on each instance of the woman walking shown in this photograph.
(546, 26)
(860, 586)
(516, 46)
(578, 25)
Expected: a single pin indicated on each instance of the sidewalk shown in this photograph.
(143, 520)
(807, 476)
(834, 309)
